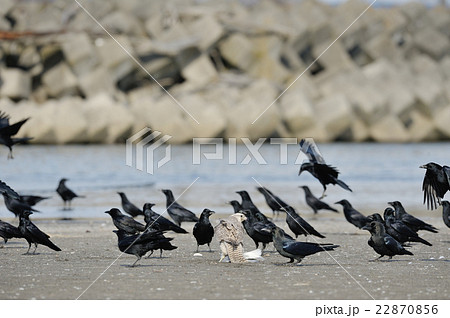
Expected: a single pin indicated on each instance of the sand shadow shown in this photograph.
(145, 265)
(301, 264)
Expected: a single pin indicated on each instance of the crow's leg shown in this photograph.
(323, 193)
(134, 264)
(376, 259)
(29, 246)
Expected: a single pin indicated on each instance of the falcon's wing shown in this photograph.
(310, 149)
(230, 230)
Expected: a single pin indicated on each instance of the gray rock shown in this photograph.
(431, 42)
(207, 29)
(335, 113)
(444, 65)
(441, 119)
(334, 58)
(29, 57)
(70, 125)
(237, 50)
(79, 52)
(15, 83)
(389, 129)
(123, 23)
(59, 81)
(420, 128)
(297, 110)
(211, 119)
(164, 115)
(97, 81)
(6, 6)
(266, 59)
(200, 72)
(116, 122)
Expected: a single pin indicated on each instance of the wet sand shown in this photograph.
(89, 268)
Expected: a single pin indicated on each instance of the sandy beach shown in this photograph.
(89, 267)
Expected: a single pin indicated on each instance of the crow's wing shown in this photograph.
(36, 234)
(310, 149)
(434, 187)
(128, 221)
(392, 244)
(10, 229)
(300, 248)
(4, 188)
(326, 170)
(4, 119)
(13, 129)
(403, 229)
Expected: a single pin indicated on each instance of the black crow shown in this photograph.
(298, 225)
(326, 174)
(383, 243)
(236, 206)
(8, 231)
(32, 199)
(129, 207)
(436, 183)
(412, 222)
(274, 202)
(7, 131)
(399, 230)
(157, 221)
(16, 206)
(4, 188)
(139, 245)
(125, 223)
(314, 202)
(353, 216)
(176, 211)
(203, 230)
(247, 204)
(254, 229)
(291, 249)
(446, 212)
(376, 217)
(66, 194)
(33, 234)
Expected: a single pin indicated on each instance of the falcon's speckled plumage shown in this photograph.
(230, 234)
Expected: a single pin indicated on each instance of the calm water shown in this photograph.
(377, 173)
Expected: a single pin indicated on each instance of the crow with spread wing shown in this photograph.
(326, 174)
(435, 184)
(7, 131)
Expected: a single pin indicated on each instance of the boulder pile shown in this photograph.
(102, 70)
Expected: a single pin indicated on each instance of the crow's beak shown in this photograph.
(366, 227)
(391, 203)
(423, 166)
